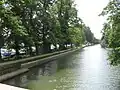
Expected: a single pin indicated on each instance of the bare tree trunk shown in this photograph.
(62, 47)
(71, 45)
(46, 47)
(17, 49)
(0, 54)
(37, 49)
(30, 51)
(1, 44)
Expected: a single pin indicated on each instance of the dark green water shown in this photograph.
(87, 69)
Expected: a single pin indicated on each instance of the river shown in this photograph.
(86, 69)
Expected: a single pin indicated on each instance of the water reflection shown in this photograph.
(34, 74)
(87, 69)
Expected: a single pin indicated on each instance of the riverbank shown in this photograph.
(13, 68)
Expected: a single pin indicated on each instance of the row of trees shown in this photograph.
(111, 30)
(89, 36)
(40, 24)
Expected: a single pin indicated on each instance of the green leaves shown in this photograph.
(1, 2)
(111, 30)
(33, 23)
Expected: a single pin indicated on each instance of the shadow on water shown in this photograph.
(87, 69)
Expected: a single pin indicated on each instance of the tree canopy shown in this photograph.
(40, 24)
(111, 30)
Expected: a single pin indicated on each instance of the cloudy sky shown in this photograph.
(89, 10)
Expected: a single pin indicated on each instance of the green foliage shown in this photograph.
(75, 36)
(41, 23)
(111, 30)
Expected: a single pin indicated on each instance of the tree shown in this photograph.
(88, 35)
(112, 29)
(40, 24)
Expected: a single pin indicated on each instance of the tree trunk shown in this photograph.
(55, 48)
(37, 49)
(17, 49)
(66, 46)
(30, 51)
(17, 53)
(71, 45)
(46, 47)
(1, 44)
(62, 47)
(0, 54)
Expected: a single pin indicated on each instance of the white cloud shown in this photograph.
(88, 10)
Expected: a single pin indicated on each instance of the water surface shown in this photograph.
(87, 69)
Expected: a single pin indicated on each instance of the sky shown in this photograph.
(88, 11)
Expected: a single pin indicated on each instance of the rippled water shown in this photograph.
(87, 69)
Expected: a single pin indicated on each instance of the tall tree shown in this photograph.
(112, 30)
